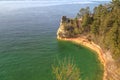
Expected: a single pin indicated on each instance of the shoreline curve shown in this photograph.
(82, 40)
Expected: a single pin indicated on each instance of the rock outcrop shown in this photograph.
(68, 28)
(62, 32)
(67, 31)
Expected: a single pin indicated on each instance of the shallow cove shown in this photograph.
(86, 60)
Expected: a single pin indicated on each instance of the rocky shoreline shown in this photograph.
(105, 57)
(83, 41)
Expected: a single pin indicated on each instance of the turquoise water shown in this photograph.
(90, 67)
(28, 44)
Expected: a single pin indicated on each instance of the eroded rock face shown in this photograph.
(66, 29)
(61, 33)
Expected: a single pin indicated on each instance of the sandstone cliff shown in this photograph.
(67, 31)
(68, 28)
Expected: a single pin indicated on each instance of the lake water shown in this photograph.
(28, 44)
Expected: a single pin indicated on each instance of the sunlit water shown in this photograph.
(28, 45)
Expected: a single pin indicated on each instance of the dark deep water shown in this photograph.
(28, 45)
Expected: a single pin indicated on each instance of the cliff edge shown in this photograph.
(70, 31)
(69, 28)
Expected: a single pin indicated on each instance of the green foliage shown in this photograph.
(86, 20)
(71, 28)
(76, 31)
(66, 70)
(94, 27)
(114, 41)
(104, 24)
(83, 11)
(86, 16)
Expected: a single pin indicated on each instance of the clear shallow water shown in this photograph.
(28, 45)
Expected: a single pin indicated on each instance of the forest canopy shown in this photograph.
(103, 25)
